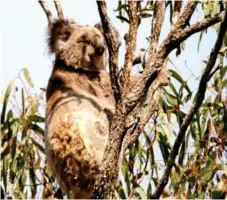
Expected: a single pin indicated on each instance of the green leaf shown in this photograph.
(176, 76)
(142, 192)
(23, 104)
(11, 144)
(123, 19)
(173, 89)
(149, 190)
(27, 76)
(37, 129)
(33, 181)
(5, 101)
(145, 15)
(172, 100)
(14, 147)
(208, 172)
(164, 146)
(201, 195)
(39, 146)
(4, 173)
(218, 194)
(120, 191)
(121, 6)
(36, 118)
(200, 39)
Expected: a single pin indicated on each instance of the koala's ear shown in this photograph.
(59, 30)
(100, 28)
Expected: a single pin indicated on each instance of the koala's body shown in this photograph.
(80, 107)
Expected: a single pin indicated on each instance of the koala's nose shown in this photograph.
(99, 50)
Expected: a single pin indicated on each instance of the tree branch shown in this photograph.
(155, 65)
(130, 44)
(196, 104)
(175, 37)
(59, 9)
(125, 104)
(201, 25)
(138, 59)
(177, 10)
(185, 17)
(113, 46)
(214, 71)
(147, 112)
(159, 19)
(109, 170)
(47, 11)
(132, 135)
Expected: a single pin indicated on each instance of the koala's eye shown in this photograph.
(85, 42)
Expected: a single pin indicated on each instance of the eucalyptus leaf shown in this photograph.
(27, 76)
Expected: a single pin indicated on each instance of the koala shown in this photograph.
(80, 106)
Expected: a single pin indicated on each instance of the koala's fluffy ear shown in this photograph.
(100, 28)
(59, 30)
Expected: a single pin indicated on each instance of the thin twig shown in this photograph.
(59, 9)
(47, 11)
(214, 71)
(197, 103)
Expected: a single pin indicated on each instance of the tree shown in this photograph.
(200, 174)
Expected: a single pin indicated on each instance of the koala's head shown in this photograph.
(78, 46)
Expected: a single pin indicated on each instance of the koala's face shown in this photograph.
(78, 46)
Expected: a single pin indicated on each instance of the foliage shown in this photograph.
(200, 170)
(23, 169)
(201, 167)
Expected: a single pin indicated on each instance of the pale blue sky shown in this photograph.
(23, 35)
